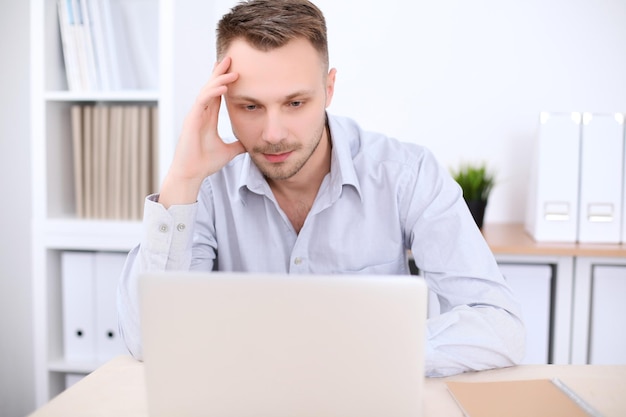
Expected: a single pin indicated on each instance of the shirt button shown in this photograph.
(297, 261)
(163, 228)
(180, 227)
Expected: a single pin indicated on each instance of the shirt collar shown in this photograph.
(346, 143)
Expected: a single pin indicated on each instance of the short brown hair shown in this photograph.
(270, 24)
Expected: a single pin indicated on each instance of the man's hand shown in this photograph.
(200, 151)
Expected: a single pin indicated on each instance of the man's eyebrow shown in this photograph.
(243, 97)
(301, 93)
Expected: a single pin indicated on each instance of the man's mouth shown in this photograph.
(276, 158)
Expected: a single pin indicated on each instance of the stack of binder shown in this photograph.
(115, 159)
(577, 180)
(109, 45)
(89, 289)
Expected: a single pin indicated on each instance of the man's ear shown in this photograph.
(330, 86)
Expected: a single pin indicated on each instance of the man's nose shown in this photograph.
(274, 130)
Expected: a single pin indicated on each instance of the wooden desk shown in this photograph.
(117, 389)
(511, 238)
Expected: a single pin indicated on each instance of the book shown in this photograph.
(98, 174)
(145, 173)
(117, 23)
(88, 162)
(105, 22)
(84, 27)
(138, 55)
(68, 43)
(114, 191)
(519, 398)
(76, 115)
(92, 8)
(133, 163)
(77, 29)
(101, 132)
(126, 163)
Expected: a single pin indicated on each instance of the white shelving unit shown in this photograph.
(186, 52)
(55, 225)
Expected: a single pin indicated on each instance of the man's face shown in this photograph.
(277, 105)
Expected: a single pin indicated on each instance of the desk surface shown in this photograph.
(117, 389)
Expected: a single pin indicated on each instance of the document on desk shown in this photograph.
(519, 398)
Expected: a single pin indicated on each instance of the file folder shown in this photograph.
(601, 178)
(552, 211)
(79, 322)
(519, 398)
(108, 268)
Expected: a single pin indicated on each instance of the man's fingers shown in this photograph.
(213, 113)
(222, 66)
(215, 88)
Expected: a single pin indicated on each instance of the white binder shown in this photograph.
(79, 324)
(601, 178)
(108, 267)
(552, 211)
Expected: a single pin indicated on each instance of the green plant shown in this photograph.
(475, 181)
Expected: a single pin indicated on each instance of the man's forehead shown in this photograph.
(281, 73)
(297, 52)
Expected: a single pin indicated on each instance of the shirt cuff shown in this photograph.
(167, 233)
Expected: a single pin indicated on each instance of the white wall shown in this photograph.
(468, 78)
(16, 352)
(465, 78)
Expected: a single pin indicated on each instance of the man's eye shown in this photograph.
(250, 107)
(295, 103)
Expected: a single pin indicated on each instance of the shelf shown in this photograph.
(91, 234)
(72, 96)
(511, 239)
(149, 50)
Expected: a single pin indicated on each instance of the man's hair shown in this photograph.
(270, 24)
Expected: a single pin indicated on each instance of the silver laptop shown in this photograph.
(236, 344)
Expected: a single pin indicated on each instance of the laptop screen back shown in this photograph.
(235, 344)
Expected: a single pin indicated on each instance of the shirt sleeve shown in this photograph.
(480, 324)
(473, 338)
(165, 245)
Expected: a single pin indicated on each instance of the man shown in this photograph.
(301, 191)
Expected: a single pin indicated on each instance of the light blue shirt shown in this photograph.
(381, 198)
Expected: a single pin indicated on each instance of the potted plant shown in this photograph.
(476, 181)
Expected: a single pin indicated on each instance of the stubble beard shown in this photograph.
(285, 170)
